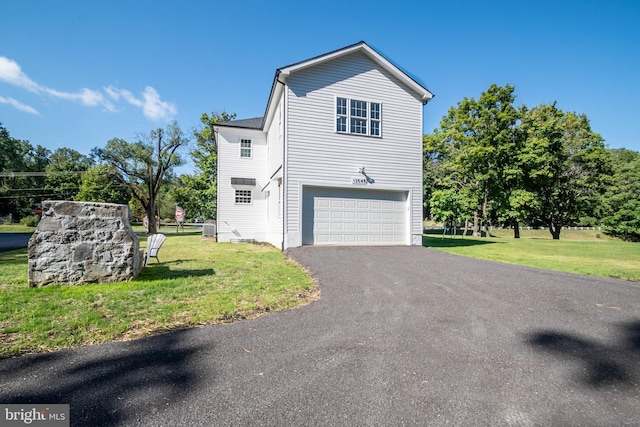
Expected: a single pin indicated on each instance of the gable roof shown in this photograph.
(283, 72)
(424, 93)
(254, 123)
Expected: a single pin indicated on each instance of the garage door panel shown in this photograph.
(343, 216)
(322, 214)
(364, 226)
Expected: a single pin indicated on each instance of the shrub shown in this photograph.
(30, 221)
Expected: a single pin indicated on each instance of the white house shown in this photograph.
(336, 159)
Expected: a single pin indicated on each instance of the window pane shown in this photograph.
(375, 111)
(341, 125)
(245, 148)
(243, 196)
(358, 108)
(341, 107)
(358, 126)
(375, 127)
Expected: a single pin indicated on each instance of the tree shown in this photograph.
(22, 183)
(198, 193)
(446, 207)
(475, 147)
(64, 172)
(621, 202)
(564, 164)
(100, 183)
(142, 165)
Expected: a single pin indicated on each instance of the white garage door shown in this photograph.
(354, 217)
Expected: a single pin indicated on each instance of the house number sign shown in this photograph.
(359, 180)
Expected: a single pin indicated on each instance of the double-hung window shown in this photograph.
(245, 148)
(358, 117)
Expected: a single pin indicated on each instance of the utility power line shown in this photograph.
(20, 174)
(40, 189)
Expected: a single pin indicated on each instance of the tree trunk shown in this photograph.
(151, 205)
(485, 202)
(466, 227)
(554, 229)
(516, 230)
(151, 214)
(476, 226)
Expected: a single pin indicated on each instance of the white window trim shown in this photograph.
(348, 116)
(250, 196)
(250, 148)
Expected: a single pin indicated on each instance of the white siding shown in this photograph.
(241, 221)
(317, 155)
(274, 189)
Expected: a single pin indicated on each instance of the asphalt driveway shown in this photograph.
(400, 336)
(11, 241)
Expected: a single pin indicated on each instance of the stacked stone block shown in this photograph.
(83, 242)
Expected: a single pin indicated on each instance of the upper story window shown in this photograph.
(245, 148)
(358, 117)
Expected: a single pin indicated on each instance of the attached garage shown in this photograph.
(338, 216)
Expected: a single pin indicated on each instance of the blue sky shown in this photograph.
(76, 73)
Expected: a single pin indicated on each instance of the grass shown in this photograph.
(16, 228)
(165, 228)
(581, 252)
(197, 282)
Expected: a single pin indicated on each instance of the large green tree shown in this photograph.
(565, 166)
(142, 165)
(100, 183)
(197, 193)
(474, 149)
(22, 175)
(620, 207)
(64, 172)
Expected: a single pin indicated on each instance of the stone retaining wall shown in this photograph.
(83, 242)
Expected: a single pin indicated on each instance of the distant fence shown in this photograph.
(545, 228)
(434, 229)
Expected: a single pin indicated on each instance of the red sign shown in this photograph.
(179, 214)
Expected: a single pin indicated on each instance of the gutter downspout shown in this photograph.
(285, 116)
(215, 138)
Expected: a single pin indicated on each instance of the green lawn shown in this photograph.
(165, 228)
(582, 252)
(16, 228)
(197, 282)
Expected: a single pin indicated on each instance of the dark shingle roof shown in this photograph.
(254, 123)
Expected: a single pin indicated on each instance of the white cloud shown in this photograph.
(18, 105)
(150, 103)
(152, 106)
(88, 97)
(11, 73)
